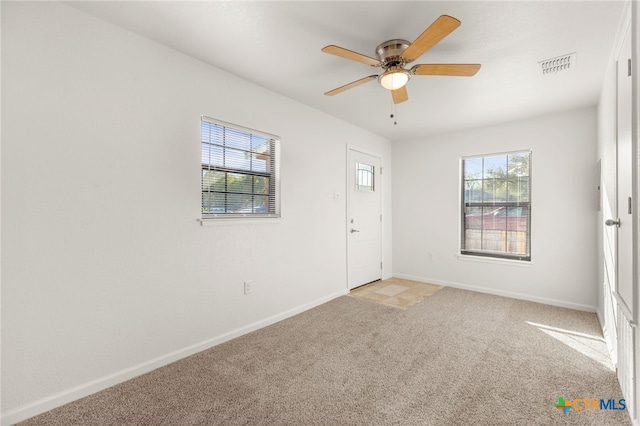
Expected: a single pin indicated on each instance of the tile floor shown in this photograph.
(395, 292)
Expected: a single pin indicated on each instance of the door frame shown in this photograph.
(356, 148)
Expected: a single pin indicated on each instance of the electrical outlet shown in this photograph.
(430, 257)
(248, 287)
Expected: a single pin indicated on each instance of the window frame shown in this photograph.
(495, 206)
(272, 174)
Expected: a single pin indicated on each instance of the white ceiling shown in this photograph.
(277, 45)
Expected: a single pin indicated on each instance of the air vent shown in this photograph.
(557, 64)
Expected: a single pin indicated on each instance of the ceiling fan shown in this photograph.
(393, 55)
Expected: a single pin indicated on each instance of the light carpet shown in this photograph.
(456, 358)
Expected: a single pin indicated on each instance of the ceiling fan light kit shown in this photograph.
(393, 55)
(394, 78)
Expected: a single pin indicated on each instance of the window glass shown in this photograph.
(240, 171)
(364, 177)
(496, 205)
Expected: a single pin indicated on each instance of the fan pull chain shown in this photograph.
(393, 114)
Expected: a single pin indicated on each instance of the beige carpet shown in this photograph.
(456, 358)
(396, 292)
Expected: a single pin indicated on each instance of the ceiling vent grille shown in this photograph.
(557, 64)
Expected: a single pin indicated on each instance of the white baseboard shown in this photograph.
(600, 319)
(56, 400)
(605, 333)
(513, 295)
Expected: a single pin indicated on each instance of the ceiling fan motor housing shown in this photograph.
(390, 52)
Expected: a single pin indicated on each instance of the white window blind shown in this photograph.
(239, 171)
(496, 205)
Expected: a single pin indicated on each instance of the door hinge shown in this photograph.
(380, 218)
(380, 265)
(381, 167)
(629, 67)
(630, 206)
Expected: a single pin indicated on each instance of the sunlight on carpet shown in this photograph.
(588, 345)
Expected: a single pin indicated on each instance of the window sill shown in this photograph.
(485, 259)
(239, 221)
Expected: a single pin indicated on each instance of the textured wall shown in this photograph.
(106, 269)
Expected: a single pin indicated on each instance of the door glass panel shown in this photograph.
(364, 177)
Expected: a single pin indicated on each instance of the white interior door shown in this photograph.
(364, 221)
(623, 217)
(622, 225)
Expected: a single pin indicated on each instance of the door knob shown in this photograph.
(354, 230)
(611, 222)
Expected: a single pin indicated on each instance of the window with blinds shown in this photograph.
(496, 205)
(239, 171)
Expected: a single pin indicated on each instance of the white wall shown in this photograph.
(426, 199)
(606, 306)
(106, 271)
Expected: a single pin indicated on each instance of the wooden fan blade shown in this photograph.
(348, 54)
(400, 95)
(459, 70)
(351, 85)
(441, 27)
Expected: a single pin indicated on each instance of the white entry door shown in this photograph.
(364, 221)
